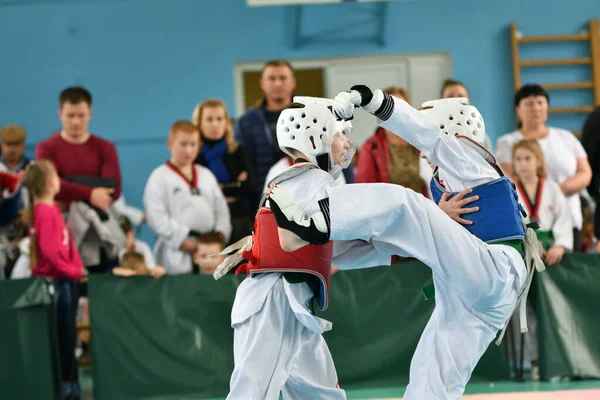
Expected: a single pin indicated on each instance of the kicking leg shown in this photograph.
(399, 221)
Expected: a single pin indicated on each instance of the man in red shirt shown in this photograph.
(77, 154)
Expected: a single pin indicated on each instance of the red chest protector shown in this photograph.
(268, 256)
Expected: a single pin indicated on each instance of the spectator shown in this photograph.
(134, 264)
(53, 255)
(12, 141)
(386, 157)
(565, 157)
(544, 202)
(228, 161)
(10, 189)
(12, 213)
(542, 199)
(134, 244)
(209, 244)
(182, 201)
(86, 165)
(590, 140)
(12, 229)
(256, 129)
(451, 89)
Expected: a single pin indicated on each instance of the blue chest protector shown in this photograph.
(499, 215)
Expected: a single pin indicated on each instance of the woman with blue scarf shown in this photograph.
(228, 161)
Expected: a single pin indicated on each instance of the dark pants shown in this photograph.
(577, 240)
(65, 311)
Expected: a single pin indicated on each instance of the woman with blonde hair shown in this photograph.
(228, 161)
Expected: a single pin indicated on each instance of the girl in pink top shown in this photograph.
(53, 255)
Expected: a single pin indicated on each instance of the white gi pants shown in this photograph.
(476, 284)
(278, 346)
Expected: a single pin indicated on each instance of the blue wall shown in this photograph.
(148, 62)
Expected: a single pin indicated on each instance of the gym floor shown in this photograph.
(573, 390)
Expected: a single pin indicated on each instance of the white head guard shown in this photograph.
(311, 130)
(456, 117)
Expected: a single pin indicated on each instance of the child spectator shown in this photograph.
(182, 201)
(134, 244)
(545, 203)
(53, 255)
(134, 263)
(208, 244)
(542, 199)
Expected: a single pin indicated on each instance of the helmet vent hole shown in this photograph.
(461, 112)
(473, 115)
(479, 125)
(442, 126)
(297, 126)
(291, 118)
(314, 121)
(324, 129)
(312, 141)
(287, 130)
(451, 118)
(303, 115)
(468, 122)
(293, 137)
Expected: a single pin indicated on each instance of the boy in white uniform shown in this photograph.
(478, 285)
(183, 200)
(278, 342)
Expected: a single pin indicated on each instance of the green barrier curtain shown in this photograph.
(568, 312)
(172, 338)
(26, 351)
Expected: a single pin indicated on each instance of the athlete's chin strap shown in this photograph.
(533, 262)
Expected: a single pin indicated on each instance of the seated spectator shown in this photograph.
(208, 244)
(566, 160)
(386, 157)
(88, 167)
(183, 201)
(134, 244)
(134, 264)
(228, 161)
(53, 255)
